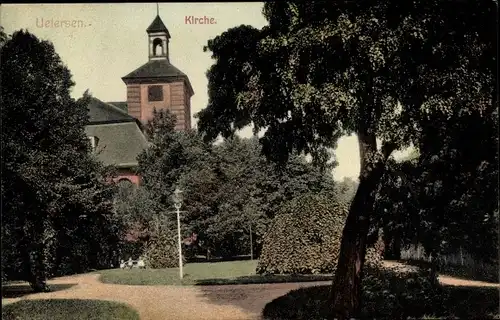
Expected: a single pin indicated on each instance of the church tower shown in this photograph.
(157, 83)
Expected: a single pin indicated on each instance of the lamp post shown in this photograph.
(251, 242)
(177, 197)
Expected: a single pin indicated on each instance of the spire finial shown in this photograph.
(157, 9)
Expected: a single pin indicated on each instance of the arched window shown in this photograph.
(125, 183)
(158, 47)
(125, 188)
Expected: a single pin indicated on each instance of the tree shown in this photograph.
(381, 70)
(56, 206)
(458, 184)
(397, 206)
(252, 189)
(230, 189)
(177, 159)
(444, 198)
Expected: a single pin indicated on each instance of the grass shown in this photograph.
(19, 289)
(218, 273)
(64, 309)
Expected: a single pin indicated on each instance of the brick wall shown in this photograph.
(175, 98)
(134, 100)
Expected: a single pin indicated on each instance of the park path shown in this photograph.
(227, 302)
(224, 302)
(446, 280)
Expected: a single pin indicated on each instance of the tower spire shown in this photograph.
(158, 38)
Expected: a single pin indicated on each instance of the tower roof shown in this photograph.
(157, 26)
(157, 69)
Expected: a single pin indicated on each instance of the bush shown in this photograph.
(304, 237)
(162, 251)
(63, 309)
(387, 294)
(397, 293)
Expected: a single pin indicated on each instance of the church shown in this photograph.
(115, 129)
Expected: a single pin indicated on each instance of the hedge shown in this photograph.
(304, 237)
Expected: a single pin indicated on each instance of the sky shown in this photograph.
(100, 43)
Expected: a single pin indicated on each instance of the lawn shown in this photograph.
(230, 272)
(64, 309)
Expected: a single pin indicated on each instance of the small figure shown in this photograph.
(140, 263)
(130, 263)
(122, 264)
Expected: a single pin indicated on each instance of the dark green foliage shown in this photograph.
(305, 237)
(56, 206)
(229, 188)
(137, 210)
(162, 250)
(63, 309)
(251, 191)
(384, 70)
(477, 272)
(445, 197)
(391, 295)
(458, 186)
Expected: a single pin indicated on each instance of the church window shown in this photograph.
(155, 93)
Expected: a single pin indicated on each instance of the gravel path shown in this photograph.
(227, 302)
(446, 280)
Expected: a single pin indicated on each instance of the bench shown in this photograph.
(135, 264)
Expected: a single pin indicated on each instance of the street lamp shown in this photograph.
(177, 198)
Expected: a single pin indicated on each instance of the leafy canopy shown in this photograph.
(320, 70)
(56, 207)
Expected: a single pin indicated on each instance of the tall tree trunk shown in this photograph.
(346, 288)
(36, 270)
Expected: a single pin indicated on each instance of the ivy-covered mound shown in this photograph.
(305, 236)
(162, 251)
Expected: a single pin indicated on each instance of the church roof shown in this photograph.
(157, 26)
(104, 112)
(122, 105)
(119, 144)
(157, 69)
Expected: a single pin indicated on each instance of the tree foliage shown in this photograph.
(56, 207)
(383, 70)
(444, 198)
(162, 250)
(305, 236)
(230, 189)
